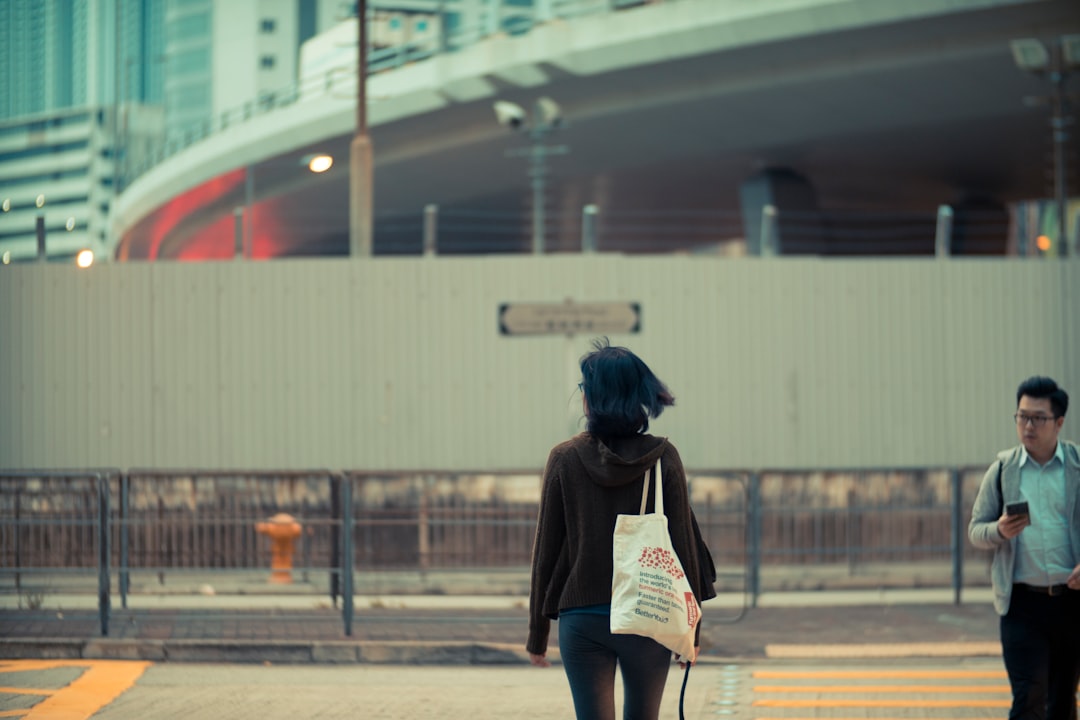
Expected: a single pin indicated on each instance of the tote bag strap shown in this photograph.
(659, 504)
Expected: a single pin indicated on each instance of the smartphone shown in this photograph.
(1017, 508)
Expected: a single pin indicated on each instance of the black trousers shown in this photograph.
(1040, 641)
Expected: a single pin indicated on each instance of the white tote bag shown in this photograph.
(650, 594)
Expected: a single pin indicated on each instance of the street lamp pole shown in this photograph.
(546, 117)
(1053, 63)
(538, 173)
(361, 175)
(1058, 124)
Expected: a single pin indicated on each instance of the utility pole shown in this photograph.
(1053, 63)
(361, 174)
(546, 117)
(1058, 125)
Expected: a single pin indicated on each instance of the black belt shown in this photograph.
(1052, 591)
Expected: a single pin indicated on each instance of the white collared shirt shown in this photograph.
(1043, 553)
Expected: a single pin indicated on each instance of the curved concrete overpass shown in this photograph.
(881, 105)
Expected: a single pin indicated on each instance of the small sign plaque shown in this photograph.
(569, 318)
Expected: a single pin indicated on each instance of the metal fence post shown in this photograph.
(957, 535)
(423, 526)
(335, 538)
(852, 546)
(18, 539)
(588, 228)
(431, 227)
(347, 553)
(102, 482)
(943, 234)
(125, 515)
(755, 538)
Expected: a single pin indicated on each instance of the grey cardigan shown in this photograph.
(982, 531)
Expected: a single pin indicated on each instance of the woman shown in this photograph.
(588, 481)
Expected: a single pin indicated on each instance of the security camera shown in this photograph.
(549, 112)
(509, 114)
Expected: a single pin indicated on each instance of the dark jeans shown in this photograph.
(589, 653)
(1040, 641)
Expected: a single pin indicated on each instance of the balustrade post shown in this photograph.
(588, 229)
(431, 224)
(943, 233)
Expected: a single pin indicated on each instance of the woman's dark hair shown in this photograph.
(1043, 387)
(621, 391)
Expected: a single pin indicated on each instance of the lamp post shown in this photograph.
(546, 118)
(1053, 63)
(361, 175)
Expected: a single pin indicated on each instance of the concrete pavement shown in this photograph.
(299, 627)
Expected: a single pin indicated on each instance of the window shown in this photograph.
(268, 25)
(267, 62)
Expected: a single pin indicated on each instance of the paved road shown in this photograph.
(780, 690)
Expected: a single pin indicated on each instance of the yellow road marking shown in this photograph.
(882, 688)
(27, 691)
(865, 674)
(882, 650)
(101, 682)
(884, 703)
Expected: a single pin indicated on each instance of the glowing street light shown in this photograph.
(85, 258)
(319, 163)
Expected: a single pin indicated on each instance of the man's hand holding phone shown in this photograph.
(1015, 519)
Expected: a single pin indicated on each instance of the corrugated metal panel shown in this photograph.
(398, 364)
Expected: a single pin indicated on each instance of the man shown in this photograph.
(1036, 567)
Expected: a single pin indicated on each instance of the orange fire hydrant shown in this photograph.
(282, 529)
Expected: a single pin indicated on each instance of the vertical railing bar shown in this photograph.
(957, 539)
(18, 538)
(125, 516)
(347, 552)
(335, 538)
(755, 538)
(103, 551)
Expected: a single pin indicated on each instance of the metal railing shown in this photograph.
(111, 523)
(437, 231)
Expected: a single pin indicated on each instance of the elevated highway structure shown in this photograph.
(707, 109)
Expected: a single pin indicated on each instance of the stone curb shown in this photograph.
(376, 652)
(275, 651)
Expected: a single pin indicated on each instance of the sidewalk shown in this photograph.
(295, 625)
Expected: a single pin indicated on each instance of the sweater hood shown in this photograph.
(621, 462)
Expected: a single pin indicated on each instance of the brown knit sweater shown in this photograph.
(586, 485)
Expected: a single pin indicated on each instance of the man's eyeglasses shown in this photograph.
(1036, 420)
